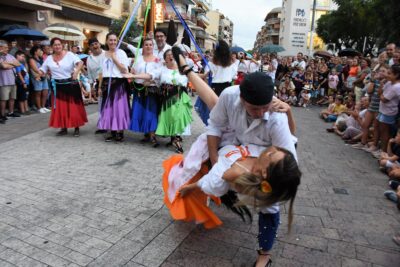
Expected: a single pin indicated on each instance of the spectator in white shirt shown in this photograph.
(299, 62)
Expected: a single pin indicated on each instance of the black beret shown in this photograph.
(257, 88)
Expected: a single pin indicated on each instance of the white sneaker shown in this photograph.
(42, 111)
(359, 146)
(377, 154)
(47, 110)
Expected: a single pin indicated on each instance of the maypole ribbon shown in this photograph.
(141, 36)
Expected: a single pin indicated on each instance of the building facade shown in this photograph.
(221, 27)
(91, 17)
(296, 24)
(269, 33)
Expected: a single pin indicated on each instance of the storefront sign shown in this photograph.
(159, 13)
(300, 25)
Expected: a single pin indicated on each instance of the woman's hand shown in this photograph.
(279, 106)
(186, 189)
(74, 76)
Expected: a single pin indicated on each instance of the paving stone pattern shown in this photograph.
(68, 201)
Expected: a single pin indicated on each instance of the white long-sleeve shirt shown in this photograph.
(229, 115)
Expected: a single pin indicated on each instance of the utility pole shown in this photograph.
(311, 47)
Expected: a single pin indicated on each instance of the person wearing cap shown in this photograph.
(242, 117)
(93, 64)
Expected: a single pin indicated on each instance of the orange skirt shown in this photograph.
(192, 207)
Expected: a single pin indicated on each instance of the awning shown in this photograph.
(70, 13)
(64, 31)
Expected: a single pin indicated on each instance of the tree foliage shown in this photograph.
(134, 31)
(374, 22)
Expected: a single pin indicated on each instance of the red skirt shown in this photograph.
(240, 77)
(69, 110)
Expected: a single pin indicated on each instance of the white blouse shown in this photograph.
(168, 76)
(222, 74)
(62, 69)
(153, 68)
(110, 69)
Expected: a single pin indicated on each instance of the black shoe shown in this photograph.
(76, 132)
(4, 118)
(111, 137)
(2, 121)
(62, 132)
(119, 137)
(100, 131)
(13, 115)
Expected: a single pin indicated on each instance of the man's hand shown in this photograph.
(186, 189)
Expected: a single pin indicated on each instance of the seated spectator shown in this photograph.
(284, 88)
(292, 100)
(394, 195)
(337, 110)
(305, 96)
(392, 156)
(325, 112)
(350, 128)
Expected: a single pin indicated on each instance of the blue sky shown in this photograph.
(247, 16)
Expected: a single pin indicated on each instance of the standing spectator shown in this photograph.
(222, 69)
(272, 67)
(323, 73)
(299, 81)
(333, 81)
(94, 64)
(67, 106)
(361, 75)
(13, 48)
(8, 90)
(388, 107)
(254, 63)
(40, 84)
(390, 50)
(299, 62)
(22, 81)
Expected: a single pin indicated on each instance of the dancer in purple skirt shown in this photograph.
(115, 109)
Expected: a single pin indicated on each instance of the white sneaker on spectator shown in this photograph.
(377, 153)
(42, 111)
(359, 146)
(47, 110)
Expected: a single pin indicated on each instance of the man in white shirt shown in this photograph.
(93, 65)
(161, 44)
(242, 117)
(299, 62)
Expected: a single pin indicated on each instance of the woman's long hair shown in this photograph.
(284, 179)
(222, 54)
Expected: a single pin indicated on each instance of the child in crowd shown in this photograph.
(325, 112)
(333, 81)
(284, 88)
(337, 110)
(391, 157)
(305, 96)
(22, 81)
(292, 100)
(299, 81)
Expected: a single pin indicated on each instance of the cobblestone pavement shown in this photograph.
(68, 201)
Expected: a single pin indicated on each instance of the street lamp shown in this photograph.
(312, 28)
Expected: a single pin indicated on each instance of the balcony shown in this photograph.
(204, 19)
(94, 4)
(273, 20)
(34, 4)
(204, 4)
(273, 32)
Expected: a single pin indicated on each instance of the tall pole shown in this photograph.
(312, 28)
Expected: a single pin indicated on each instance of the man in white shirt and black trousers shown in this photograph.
(241, 117)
